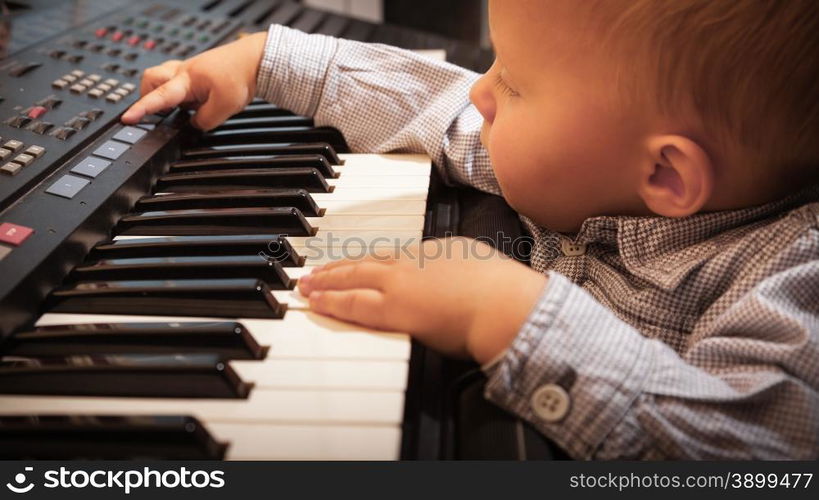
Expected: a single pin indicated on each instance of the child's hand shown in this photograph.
(458, 296)
(217, 83)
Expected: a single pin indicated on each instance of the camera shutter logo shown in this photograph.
(20, 478)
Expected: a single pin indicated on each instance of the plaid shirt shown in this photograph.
(660, 338)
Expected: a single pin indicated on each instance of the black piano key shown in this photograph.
(318, 162)
(360, 31)
(308, 21)
(275, 220)
(333, 25)
(123, 375)
(285, 13)
(181, 268)
(237, 150)
(228, 339)
(296, 198)
(276, 134)
(101, 437)
(309, 179)
(262, 108)
(273, 247)
(230, 298)
(246, 122)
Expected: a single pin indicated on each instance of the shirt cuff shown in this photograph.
(293, 68)
(572, 351)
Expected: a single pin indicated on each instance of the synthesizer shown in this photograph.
(146, 302)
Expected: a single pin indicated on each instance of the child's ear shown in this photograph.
(678, 179)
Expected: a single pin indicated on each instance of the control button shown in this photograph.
(117, 36)
(77, 88)
(130, 56)
(86, 82)
(78, 73)
(130, 72)
(92, 114)
(59, 84)
(24, 68)
(78, 122)
(11, 168)
(18, 121)
(94, 77)
(129, 86)
(571, 249)
(50, 102)
(40, 127)
(5, 154)
(111, 81)
(113, 97)
(56, 54)
(550, 402)
(110, 67)
(69, 78)
(4, 250)
(79, 44)
(130, 135)
(134, 41)
(111, 150)
(75, 58)
(63, 133)
(101, 32)
(13, 145)
(14, 234)
(37, 112)
(35, 151)
(67, 186)
(104, 87)
(114, 52)
(24, 159)
(91, 166)
(121, 91)
(95, 93)
(150, 45)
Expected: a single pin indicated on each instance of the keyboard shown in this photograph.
(148, 305)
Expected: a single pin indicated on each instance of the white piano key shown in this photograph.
(262, 406)
(384, 164)
(367, 222)
(373, 207)
(357, 243)
(383, 193)
(381, 182)
(323, 374)
(308, 442)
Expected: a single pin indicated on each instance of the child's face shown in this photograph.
(562, 145)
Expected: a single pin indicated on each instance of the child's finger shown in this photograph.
(362, 306)
(155, 76)
(168, 95)
(213, 111)
(358, 275)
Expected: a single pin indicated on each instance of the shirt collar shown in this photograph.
(664, 250)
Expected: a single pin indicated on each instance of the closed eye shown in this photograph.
(501, 85)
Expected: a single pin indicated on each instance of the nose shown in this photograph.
(482, 97)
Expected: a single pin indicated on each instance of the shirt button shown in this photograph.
(571, 249)
(550, 402)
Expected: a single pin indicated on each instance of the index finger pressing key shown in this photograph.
(168, 95)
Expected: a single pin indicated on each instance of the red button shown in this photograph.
(134, 40)
(14, 234)
(101, 32)
(36, 112)
(117, 36)
(150, 44)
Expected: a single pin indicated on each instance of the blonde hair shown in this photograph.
(750, 68)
